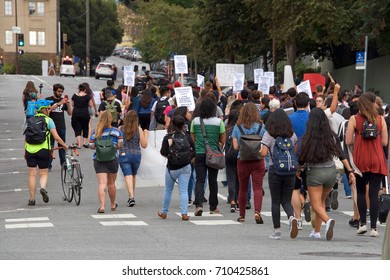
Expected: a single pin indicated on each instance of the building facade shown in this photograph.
(37, 20)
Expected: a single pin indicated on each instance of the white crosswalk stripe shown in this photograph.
(35, 222)
(117, 220)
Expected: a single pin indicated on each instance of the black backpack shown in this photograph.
(36, 131)
(230, 152)
(369, 131)
(180, 152)
(159, 112)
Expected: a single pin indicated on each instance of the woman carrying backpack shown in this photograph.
(319, 147)
(178, 148)
(368, 157)
(130, 152)
(106, 140)
(37, 148)
(248, 123)
(281, 187)
(145, 108)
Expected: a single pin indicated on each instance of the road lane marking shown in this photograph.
(13, 172)
(215, 222)
(13, 158)
(204, 214)
(37, 219)
(124, 223)
(114, 216)
(28, 225)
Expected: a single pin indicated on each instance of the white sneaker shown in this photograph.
(362, 229)
(276, 235)
(315, 235)
(299, 223)
(329, 229)
(374, 233)
(293, 227)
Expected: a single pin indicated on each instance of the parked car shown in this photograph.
(124, 52)
(67, 67)
(116, 52)
(159, 78)
(105, 70)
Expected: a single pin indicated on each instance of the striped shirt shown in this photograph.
(214, 128)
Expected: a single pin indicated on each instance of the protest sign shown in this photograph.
(181, 66)
(200, 81)
(305, 87)
(271, 75)
(264, 84)
(184, 97)
(238, 82)
(256, 74)
(225, 73)
(128, 76)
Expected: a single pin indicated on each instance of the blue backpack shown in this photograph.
(284, 159)
(30, 111)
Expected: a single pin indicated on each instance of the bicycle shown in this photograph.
(71, 175)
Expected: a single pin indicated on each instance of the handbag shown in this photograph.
(214, 159)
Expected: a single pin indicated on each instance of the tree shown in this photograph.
(104, 25)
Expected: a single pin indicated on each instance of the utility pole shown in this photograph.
(365, 63)
(88, 43)
(58, 62)
(16, 39)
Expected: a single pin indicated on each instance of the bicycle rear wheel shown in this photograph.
(77, 181)
(66, 181)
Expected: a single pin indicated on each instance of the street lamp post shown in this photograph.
(88, 43)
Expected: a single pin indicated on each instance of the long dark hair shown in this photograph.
(146, 98)
(279, 124)
(318, 143)
(232, 119)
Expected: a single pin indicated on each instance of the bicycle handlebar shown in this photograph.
(73, 147)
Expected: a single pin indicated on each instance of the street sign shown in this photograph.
(16, 29)
(360, 63)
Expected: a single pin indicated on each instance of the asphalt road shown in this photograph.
(60, 230)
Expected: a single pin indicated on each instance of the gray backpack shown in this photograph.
(250, 145)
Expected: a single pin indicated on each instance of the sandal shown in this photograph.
(114, 208)
(241, 219)
(31, 202)
(86, 146)
(258, 218)
(100, 211)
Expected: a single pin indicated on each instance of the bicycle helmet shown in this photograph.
(42, 104)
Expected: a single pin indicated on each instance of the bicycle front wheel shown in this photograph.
(77, 181)
(66, 181)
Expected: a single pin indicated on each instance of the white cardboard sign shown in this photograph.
(225, 73)
(181, 66)
(256, 74)
(271, 75)
(238, 82)
(184, 97)
(200, 81)
(264, 84)
(128, 76)
(305, 87)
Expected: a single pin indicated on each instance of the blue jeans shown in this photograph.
(191, 182)
(182, 176)
(347, 187)
(62, 133)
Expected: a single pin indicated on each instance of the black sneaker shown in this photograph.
(306, 211)
(45, 197)
(31, 202)
(190, 202)
(204, 200)
(233, 208)
(130, 202)
(354, 222)
(248, 205)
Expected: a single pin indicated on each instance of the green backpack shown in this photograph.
(105, 148)
(110, 106)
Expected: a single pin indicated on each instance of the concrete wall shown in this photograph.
(378, 77)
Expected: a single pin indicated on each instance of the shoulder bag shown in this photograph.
(214, 159)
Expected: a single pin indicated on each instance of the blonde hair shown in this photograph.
(104, 122)
(249, 114)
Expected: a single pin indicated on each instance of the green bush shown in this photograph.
(30, 64)
(8, 68)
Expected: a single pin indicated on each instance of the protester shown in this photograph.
(92, 112)
(106, 172)
(145, 109)
(30, 87)
(81, 101)
(281, 187)
(113, 106)
(249, 122)
(369, 158)
(39, 154)
(130, 152)
(216, 136)
(178, 168)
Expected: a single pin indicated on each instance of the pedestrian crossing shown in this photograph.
(110, 220)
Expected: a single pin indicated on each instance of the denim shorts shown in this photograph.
(129, 164)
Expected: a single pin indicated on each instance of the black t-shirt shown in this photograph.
(57, 115)
(81, 105)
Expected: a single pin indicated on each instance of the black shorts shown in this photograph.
(106, 167)
(301, 184)
(40, 159)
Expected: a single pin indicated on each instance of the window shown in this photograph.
(36, 38)
(8, 8)
(36, 8)
(9, 37)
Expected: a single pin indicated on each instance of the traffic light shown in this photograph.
(21, 40)
(21, 51)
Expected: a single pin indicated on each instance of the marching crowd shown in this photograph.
(305, 144)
